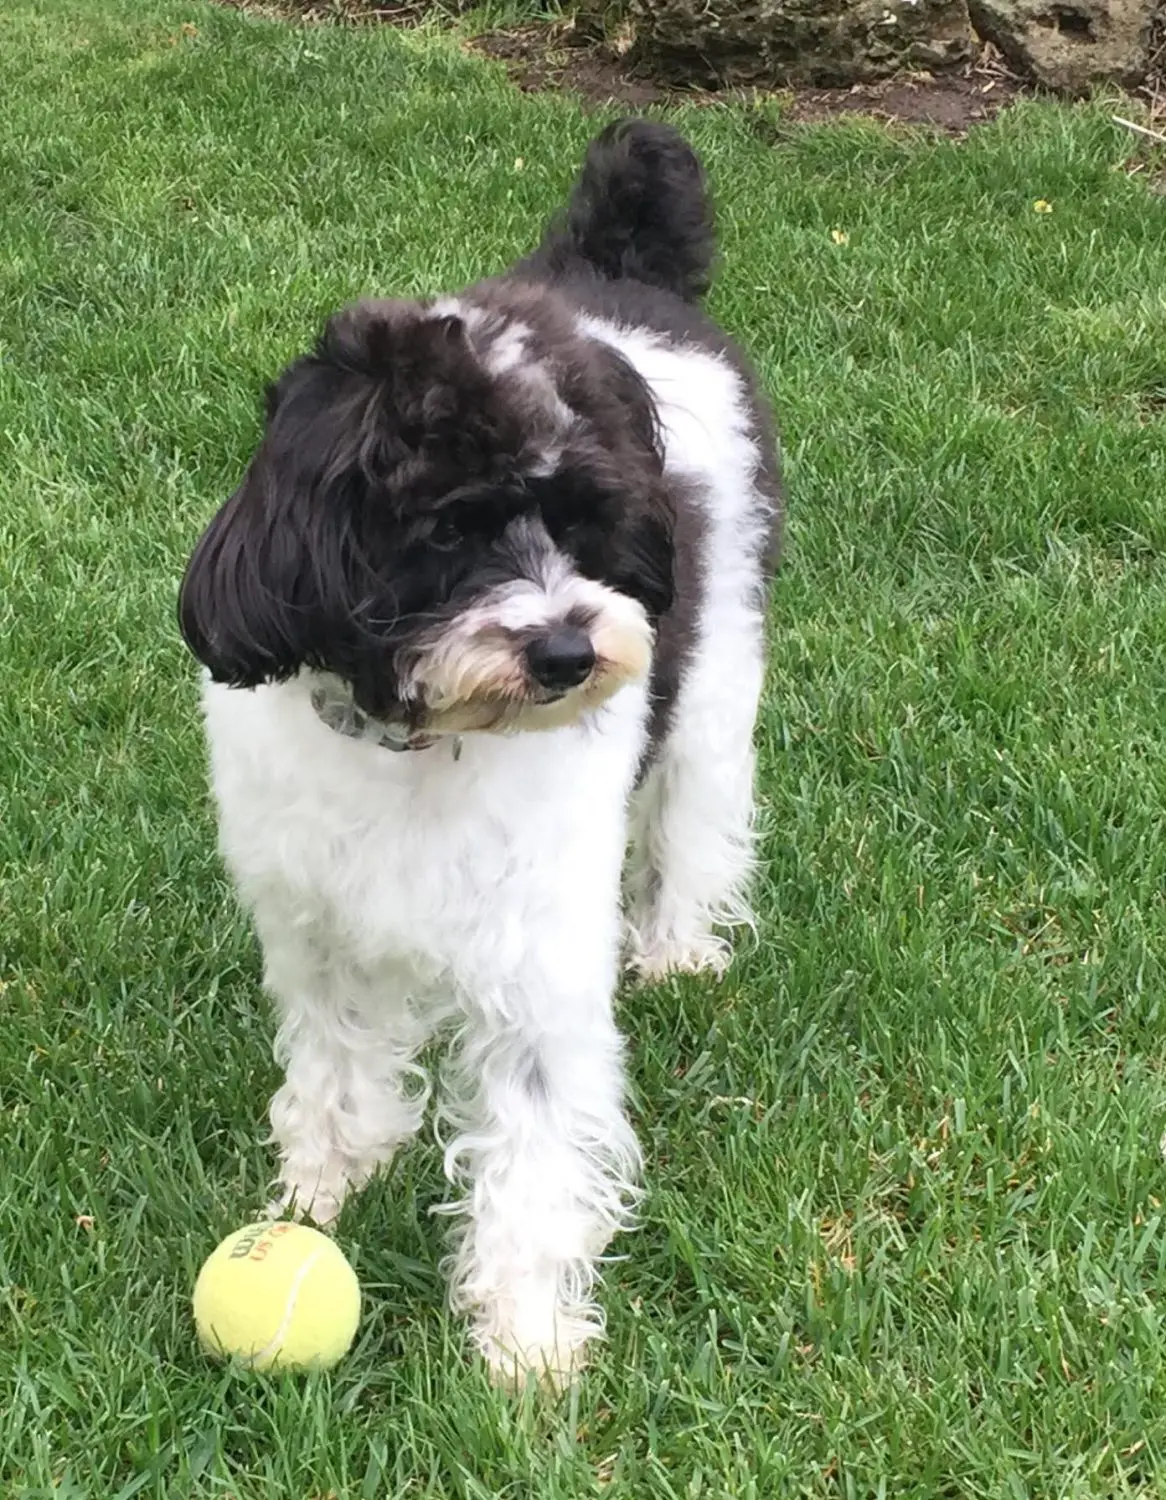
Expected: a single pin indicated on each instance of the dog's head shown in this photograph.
(456, 509)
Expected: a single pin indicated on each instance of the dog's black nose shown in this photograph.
(561, 660)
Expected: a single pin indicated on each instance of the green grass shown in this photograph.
(904, 1235)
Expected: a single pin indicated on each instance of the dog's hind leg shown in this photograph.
(692, 821)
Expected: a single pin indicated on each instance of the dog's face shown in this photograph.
(456, 512)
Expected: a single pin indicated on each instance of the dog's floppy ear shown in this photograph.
(253, 605)
(632, 547)
(241, 606)
(642, 561)
(278, 577)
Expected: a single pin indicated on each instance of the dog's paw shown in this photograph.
(655, 960)
(322, 1210)
(553, 1366)
(312, 1200)
(535, 1342)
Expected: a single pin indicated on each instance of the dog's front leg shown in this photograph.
(347, 1040)
(550, 1162)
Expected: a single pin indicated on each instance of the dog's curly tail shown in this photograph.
(639, 210)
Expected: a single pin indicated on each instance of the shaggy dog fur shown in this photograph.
(522, 536)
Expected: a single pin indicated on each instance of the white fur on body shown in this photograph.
(398, 894)
(692, 841)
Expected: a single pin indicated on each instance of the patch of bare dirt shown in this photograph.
(545, 56)
(549, 56)
(950, 104)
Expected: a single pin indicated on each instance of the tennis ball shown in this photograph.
(277, 1295)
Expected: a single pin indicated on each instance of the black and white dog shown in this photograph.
(496, 582)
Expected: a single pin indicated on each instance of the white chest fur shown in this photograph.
(453, 861)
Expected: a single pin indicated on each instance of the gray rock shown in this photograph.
(825, 42)
(1070, 44)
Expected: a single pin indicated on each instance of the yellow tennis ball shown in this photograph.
(277, 1295)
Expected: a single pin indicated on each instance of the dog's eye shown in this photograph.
(445, 532)
(573, 536)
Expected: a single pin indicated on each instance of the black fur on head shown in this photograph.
(394, 460)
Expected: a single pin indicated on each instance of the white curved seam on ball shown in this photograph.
(276, 1340)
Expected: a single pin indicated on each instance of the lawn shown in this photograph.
(905, 1234)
